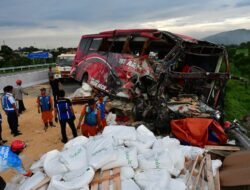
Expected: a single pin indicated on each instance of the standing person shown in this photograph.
(1, 140)
(45, 105)
(101, 105)
(92, 119)
(55, 87)
(50, 73)
(9, 157)
(10, 108)
(18, 94)
(65, 113)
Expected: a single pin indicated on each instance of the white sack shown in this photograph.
(150, 179)
(32, 181)
(102, 157)
(100, 151)
(176, 184)
(143, 130)
(74, 158)
(141, 147)
(125, 157)
(120, 133)
(36, 166)
(78, 183)
(11, 186)
(129, 184)
(156, 160)
(178, 160)
(84, 91)
(111, 119)
(52, 166)
(144, 140)
(215, 165)
(98, 142)
(191, 152)
(18, 179)
(127, 173)
(80, 140)
(173, 146)
(166, 143)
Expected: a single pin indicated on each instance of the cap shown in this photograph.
(18, 81)
(17, 145)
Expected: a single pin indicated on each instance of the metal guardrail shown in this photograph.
(26, 67)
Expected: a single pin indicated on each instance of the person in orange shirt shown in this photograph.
(45, 106)
(92, 119)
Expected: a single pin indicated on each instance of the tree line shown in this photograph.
(13, 58)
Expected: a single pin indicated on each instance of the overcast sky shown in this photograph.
(54, 23)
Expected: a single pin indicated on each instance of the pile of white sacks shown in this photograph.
(147, 162)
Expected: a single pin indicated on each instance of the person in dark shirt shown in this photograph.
(64, 111)
(54, 83)
(50, 73)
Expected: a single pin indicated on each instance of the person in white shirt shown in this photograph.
(18, 94)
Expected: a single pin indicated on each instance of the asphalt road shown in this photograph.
(29, 78)
(33, 79)
(69, 87)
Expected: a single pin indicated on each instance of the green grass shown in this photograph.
(237, 100)
(243, 51)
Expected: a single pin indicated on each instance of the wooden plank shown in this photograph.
(210, 178)
(95, 181)
(199, 173)
(110, 177)
(105, 183)
(117, 179)
(222, 153)
(229, 148)
(102, 180)
(203, 178)
(191, 173)
(41, 183)
(217, 180)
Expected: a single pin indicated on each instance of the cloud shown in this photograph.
(61, 23)
(243, 3)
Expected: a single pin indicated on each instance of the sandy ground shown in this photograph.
(30, 124)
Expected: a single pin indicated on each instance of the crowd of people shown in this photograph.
(52, 108)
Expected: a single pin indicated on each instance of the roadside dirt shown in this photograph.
(30, 124)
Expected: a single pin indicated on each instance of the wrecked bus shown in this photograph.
(150, 66)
